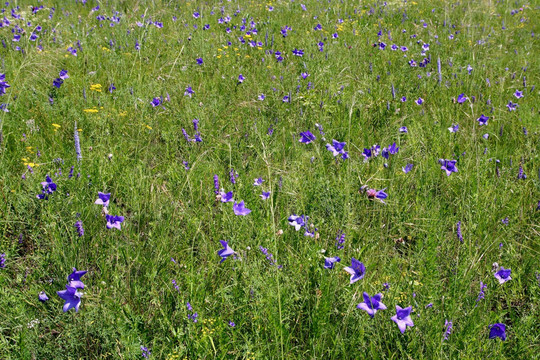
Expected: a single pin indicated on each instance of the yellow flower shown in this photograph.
(56, 126)
(91, 110)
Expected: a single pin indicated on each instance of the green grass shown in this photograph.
(301, 311)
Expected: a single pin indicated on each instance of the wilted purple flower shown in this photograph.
(240, 209)
(503, 275)
(42, 296)
(407, 168)
(330, 262)
(462, 98)
(103, 199)
(306, 137)
(371, 304)
(226, 251)
(357, 270)
(449, 166)
(497, 330)
(114, 221)
(72, 298)
(403, 318)
(482, 120)
(265, 195)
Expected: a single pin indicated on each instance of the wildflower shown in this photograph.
(403, 318)
(454, 128)
(240, 209)
(226, 197)
(298, 52)
(419, 101)
(42, 296)
(458, 231)
(518, 94)
(63, 74)
(371, 304)
(374, 194)
(189, 91)
(462, 98)
(521, 174)
(482, 120)
(261, 97)
(199, 61)
(114, 221)
(74, 279)
(156, 102)
(258, 182)
(403, 130)
(77, 143)
(103, 199)
(329, 262)
(216, 184)
(407, 168)
(337, 148)
(241, 78)
(57, 83)
(72, 298)
(306, 137)
(511, 106)
(449, 166)
(503, 275)
(48, 188)
(448, 331)
(497, 330)
(340, 240)
(145, 352)
(2, 261)
(226, 251)
(403, 98)
(79, 227)
(357, 270)
(297, 221)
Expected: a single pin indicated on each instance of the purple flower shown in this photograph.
(145, 352)
(114, 221)
(482, 120)
(199, 61)
(461, 98)
(72, 298)
(511, 106)
(403, 130)
(261, 97)
(74, 279)
(80, 230)
(63, 74)
(57, 83)
(3, 260)
(265, 195)
(241, 78)
(297, 221)
(240, 209)
(258, 182)
(518, 94)
(419, 101)
(407, 168)
(449, 166)
(112, 88)
(306, 137)
(298, 52)
(156, 102)
(48, 188)
(189, 91)
(337, 148)
(226, 251)
(454, 128)
(371, 304)
(503, 275)
(448, 331)
(403, 318)
(357, 270)
(458, 231)
(521, 174)
(42, 296)
(497, 330)
(330, 262)
(103, 199)
(374, 194)
(226, 197)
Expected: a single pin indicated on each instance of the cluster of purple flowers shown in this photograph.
(193, 316)
(71, 295)
(48, 188)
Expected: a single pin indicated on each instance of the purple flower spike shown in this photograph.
(449, 166)
(240, 209)
(72, 298)
(403, 318)
(226, 251)
(371, 304)
(103, 199)
(357, 270)
(114, 221)
(497, 330)
(330, 262)
(503, 275)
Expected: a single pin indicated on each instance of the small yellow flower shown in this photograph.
(91, 110)
(56, 126)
